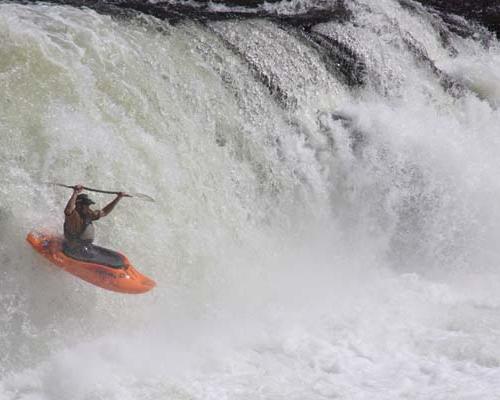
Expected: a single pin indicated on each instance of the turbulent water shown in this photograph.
(323, 228)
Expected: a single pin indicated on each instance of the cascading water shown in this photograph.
(319, 231)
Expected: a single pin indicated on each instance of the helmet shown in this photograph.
(84, 199)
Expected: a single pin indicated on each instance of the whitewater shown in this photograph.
(323, 228)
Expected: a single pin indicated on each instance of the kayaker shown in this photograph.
(78, 228)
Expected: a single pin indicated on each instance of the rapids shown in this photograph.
(326, 215)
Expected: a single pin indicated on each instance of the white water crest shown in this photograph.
(310, 239)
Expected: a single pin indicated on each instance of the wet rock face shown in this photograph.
(175, 11)
(485, 12)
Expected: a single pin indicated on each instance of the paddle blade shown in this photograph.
(142, 196)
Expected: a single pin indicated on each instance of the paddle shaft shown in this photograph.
(90, 189)
(135, 195)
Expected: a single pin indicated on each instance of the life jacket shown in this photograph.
(87, 233)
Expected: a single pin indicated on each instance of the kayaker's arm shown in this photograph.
(70, 207)
(106, 210)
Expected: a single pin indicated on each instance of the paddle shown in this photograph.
(140, 196)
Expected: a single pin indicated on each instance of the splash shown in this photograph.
(316, 234)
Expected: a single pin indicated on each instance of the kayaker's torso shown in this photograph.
(78, 226)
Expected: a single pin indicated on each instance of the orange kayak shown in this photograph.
(125, 279)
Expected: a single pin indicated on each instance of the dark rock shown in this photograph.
(339, 59)
(175, 11)
(485, 12)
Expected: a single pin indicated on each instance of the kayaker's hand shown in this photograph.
(122, 194)
(78, 188)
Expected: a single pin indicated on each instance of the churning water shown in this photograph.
(326, 223)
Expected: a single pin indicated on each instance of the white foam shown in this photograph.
(297, 255)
